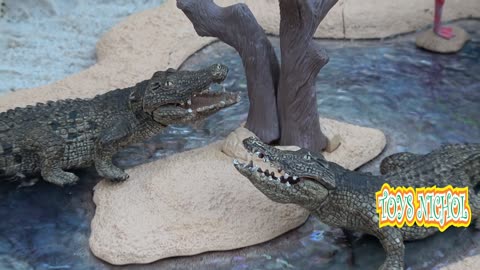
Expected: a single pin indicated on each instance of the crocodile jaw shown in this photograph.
(270, 185)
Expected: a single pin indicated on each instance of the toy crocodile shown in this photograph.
(47, 139)
(346, 199)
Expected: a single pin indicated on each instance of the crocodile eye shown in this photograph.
(307, 156)
(168, 83)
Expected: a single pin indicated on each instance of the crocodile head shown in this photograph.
(300, 177)
(173, 97)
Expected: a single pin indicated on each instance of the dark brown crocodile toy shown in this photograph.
(47, 139)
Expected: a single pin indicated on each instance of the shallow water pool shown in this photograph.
(418, 99)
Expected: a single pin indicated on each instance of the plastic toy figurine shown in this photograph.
(442, 31)
(344, 198)
(47, 139)
(442, 39)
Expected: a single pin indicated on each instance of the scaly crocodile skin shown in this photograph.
(47, 139)
(346, 199)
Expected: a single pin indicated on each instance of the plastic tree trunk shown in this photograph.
(282, 97)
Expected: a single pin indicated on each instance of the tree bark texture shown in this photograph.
(236, 26)
(302, 60)
(283, 103)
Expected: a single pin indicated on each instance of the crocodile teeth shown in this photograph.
(287, 175)
(295, 178)
(235, 161)
(288, 184)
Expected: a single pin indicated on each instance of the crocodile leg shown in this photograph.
(477, 224)
(109, 142)
(474, 195)
(392, 242)
(469, 172)
(350, 238)
(396, 161)
(50, 148)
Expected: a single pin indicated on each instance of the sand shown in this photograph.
(430, 41)
(196, 201)
(160, 38)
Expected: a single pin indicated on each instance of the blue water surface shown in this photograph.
(44, 41)
(419, 99)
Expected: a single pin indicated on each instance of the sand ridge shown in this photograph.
(163, 37)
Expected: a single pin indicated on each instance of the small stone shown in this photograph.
(233, 146)
(333, 143)
(430, 41)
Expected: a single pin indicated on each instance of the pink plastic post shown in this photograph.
(444, 32)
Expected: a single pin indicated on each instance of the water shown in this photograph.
(44, 41)
(418, 99)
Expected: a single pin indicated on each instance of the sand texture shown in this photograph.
(163, 37)
(195, 201)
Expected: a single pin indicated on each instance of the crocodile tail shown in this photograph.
(396, 162)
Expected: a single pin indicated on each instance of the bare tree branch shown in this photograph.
(321, 8)
(282, 101)
(302, 59)
(236, 26)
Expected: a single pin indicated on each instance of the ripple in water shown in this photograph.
(420, 100)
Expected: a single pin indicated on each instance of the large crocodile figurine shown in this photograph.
(48, 139)
(346, 199)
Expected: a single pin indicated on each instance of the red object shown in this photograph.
(444, 32)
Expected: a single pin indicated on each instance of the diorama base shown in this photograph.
(194, 202)
(430, 41)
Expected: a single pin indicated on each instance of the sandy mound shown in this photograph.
(196, 201)
(163, 37)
